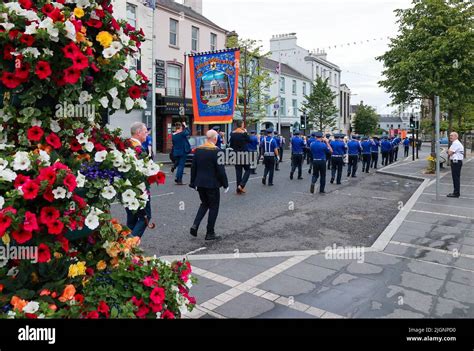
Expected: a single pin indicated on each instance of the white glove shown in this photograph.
(226, 190)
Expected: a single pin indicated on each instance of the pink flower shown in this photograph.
(167, 315)
(157, 296)
(30, 223)
(149, 281)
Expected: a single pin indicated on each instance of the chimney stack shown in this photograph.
(196, 5)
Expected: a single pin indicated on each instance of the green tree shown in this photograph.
(432, 55)
(366, 120)
(319, 106)
(253, 81)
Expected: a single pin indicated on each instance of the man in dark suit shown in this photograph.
(207, 176)
(181, 149)
(239, 140)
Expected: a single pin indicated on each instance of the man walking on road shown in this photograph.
(239, 140)
(366, 152)
(456, 155)
(339, 150)
(353, 149)
(385, 147)
(207, 176)
(270, 153)
(374, 152)
(406, 147)
(297, 146)
(319, 149)
(181, 149)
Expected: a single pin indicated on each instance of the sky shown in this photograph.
(323, 24)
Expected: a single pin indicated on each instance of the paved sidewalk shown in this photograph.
(422, 266)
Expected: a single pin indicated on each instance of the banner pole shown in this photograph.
(184, 88)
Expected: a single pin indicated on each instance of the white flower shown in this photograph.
(13, 272)
(8, 26)
(129, 103)
(53, 32)
(133, 205)
(2, 202)
(80, 180)
(128, 183)
(89, 146)
(113, 92)
(3, 164)
(158, 315)
(71, 30)
(84, 97)
(116, 45)
(31, 307)
(118, 159)
(41, 316)
(144, 196)
(189, 284)
(104, 101)
(116, 104)
(96, 211)
(55, 127)
(33, 51)
(142, 103)
(121, 75)
(108, 192)
(35, 122)
(109, 53)
(44, 157)
(135, 77)
(81, 3)
(140, 166)
(12, 314)
(72, 206)
(31, 29)
(100, 156)
(92, 221)
(128, 196)
(82, 139)
(152, 169)
(124, 168)
(59, 193)
(21, 161)
(48, 52)
(7, 175)
(141, 186)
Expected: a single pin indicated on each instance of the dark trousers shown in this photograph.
(385, 158)
(407, 151)
(337, 163)
(260, 154)
(210, 199)
(456, 174)
(308, 157)
(352, 169)
(297, 162)
(395, 154)
(137, 221)
(319, 171)
(269, 163)
(365, 163)
(277, 162)
(329, 162)
(242, 180)
(280, 153)
(374, 157)
(390, 156)
(181, 162)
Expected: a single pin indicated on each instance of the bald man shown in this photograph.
(207, 176)
(456, 155)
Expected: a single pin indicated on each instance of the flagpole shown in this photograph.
(153, 83)
(279, 87)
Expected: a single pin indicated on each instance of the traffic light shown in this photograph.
(412, 122)
(303, 122)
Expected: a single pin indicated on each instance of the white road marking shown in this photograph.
(442, 214)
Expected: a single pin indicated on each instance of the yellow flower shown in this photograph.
(6, 239)
(101, 265)
(77, 269)
(78, 12)
(104, 38)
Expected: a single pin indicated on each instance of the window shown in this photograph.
(295, 107)
(282, 84)
(269, 110)
(173, 86)
(132, 15)
(282, 107)
(173, 32)
(304, 88)
(399, 126)
(213, 41)
(195, 39)
(293, 87)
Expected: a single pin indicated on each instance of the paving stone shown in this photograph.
(237, 269)
(245, 306)
(433, 256)
(467, 250)
(321, 261)
(428, 269)
(421, 282)
(267, 262)
(459, 292)
(401, 313)
(309, 272)
(342, 279)
(464, 262)
(446, 308)
(205, 289)
(280, 311)
(414, 299)
(286, 285)
(462, 277)
(381, 259)
(363, 268)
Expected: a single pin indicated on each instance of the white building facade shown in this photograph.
(311, 64)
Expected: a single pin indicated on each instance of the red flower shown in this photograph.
(79, 201)
(27, 39)
(149, 281)
(79, 298)
(23, 72)
(93, 315)
(142, 312)
(94, 23)
(13, 34)
(95, 68)
(155, 308)
(90, 271)
(99, 147)
(48, 195)
(53, 140)
(70, 182)
(59, 165)
(47, 173)
(74, 145)
(43, 70)
(31, 316)
(30, 223)
(80, 61)
(167, 315)
(22, 236)
(30, 190)
(20, 180)
(137, 302)
(35, 133)
(55, 227)
(26, 4)
(49, 215)
(7, 52)
(71, 51)
(103, 308)
(134, 92)
(71, 75)
(157, 296)
(10, 80)
(52, 12)
(5, 222)
(44, 255)
(64, 243)
(115, 24)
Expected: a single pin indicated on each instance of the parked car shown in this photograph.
(194, 141)
(443, 141)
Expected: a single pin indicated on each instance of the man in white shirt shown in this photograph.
(456, 155)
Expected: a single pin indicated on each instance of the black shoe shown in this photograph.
(348, 174)
(322, 192)
(291, 176)
(332, 180)
(277, 169)
(366, 171)
(270, 184)
(339, 183)
(354, 176)
(193, 231)
(212, 236)
(309, 171)
(172, 169)
(453, 195)
(300, 178)
(264, 181)
(311, 189)
(179, 182)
